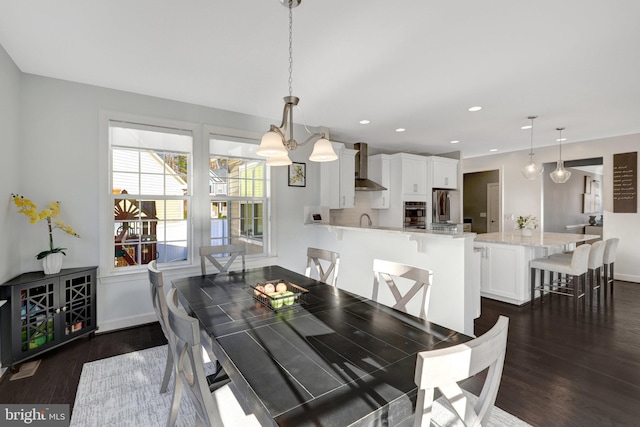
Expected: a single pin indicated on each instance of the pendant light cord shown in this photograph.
(560, 141)
(290, 47)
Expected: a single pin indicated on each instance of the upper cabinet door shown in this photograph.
(414, 176)
(444, 172)
(338, 179)
(379, 172)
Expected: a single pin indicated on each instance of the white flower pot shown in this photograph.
(52, 263)
(527, 232)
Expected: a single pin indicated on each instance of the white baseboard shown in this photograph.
(126, 322)
(627, 277)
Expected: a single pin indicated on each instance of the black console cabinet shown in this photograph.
(45, 311)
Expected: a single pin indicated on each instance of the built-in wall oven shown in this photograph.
(415, 215)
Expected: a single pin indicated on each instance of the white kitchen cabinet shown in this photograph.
(443, 172)
(502, 269)
(414, 176)
(337, 179)
(407, 183)
(378, 166)
(505, 274)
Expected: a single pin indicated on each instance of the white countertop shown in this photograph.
(545, 240)
(397, 230)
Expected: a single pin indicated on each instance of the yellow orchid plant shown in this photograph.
(28, 208)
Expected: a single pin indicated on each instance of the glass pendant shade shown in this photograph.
(279, 160)
(560, 175)
(271, 145)
(323, 151)
(532, 170)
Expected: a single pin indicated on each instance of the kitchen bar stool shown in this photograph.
(609, 259)
(575, 268)
(594, 267)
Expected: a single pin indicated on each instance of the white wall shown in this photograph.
(9, 172)
(60, 160)
(523, 197)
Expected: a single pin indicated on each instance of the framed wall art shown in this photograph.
(298, 175)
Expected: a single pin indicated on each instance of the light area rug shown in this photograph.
(124, 390)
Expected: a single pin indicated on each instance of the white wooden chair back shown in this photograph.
(387, 270)
(156, 286)
(210, 252)
(189, 366)
(444, 368)
(315, 256)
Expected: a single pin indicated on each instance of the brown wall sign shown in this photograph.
(625, 182)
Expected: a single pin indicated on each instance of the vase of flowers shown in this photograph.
(526, 224)
(51, 258)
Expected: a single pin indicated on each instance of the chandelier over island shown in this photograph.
(275, 145)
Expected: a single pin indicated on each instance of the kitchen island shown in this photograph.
(455, 292)
(505, 260)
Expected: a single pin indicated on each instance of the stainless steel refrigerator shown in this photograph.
(442, 205)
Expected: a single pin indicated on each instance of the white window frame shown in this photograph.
(199, 227)
(106, 220)
(245, 152)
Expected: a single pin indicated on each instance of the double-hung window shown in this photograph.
(150, 193)
(238, 194)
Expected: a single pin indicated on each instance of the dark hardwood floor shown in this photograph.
(560, 370)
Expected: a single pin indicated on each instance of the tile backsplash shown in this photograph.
(351, 217)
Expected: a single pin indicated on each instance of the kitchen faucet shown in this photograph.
(368, 219)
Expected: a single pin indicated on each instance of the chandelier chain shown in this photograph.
(290, 47)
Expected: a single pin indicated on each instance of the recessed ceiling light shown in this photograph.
(364, 122)
(493, 150)
(476, 108)
(455, 141)
(526, 127)
(400, 130)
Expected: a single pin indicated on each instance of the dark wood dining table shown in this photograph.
(331, 359)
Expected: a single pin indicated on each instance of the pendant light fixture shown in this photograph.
(274, 144)
(560, 175)
(532, 170)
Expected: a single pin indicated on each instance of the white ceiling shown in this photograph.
(415, 64)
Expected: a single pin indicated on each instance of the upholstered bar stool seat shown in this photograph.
(596, 255)
(575, 268)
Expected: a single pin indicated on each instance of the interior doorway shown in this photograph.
(493, 207)
(475, 197)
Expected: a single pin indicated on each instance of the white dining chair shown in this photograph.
(327, 273)
(389, 271)
(212, 408)
(444, 368)
(156, 286)
(213, 254)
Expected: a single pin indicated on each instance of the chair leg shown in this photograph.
(575, 281)
(606, 279)
(611, 279)
(533, 285)
(167, 371)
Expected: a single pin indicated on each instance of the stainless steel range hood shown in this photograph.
(362, 182)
